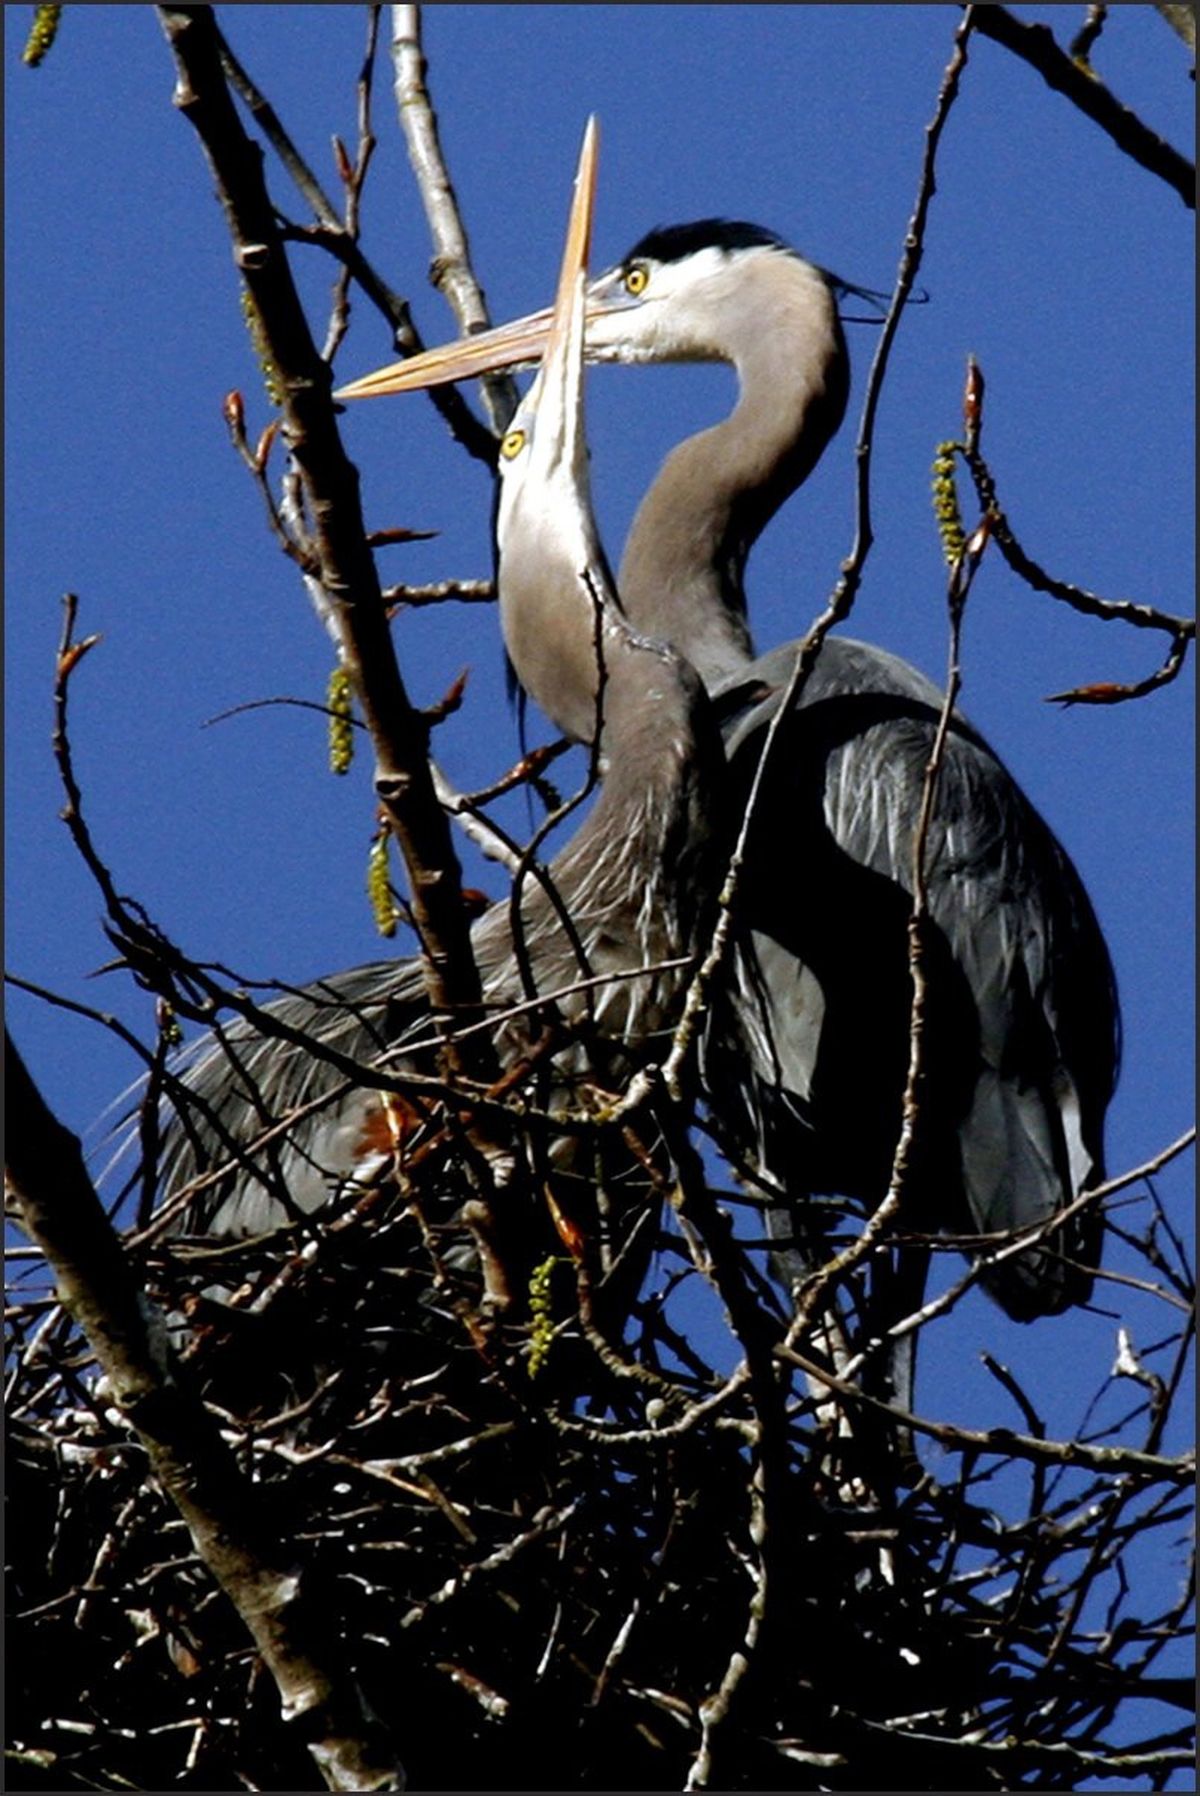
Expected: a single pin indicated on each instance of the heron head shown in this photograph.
(694, 292)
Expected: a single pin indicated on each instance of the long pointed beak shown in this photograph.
(564, 349)
(515, 345)
(521, 343)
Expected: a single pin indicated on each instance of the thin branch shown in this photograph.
(491, 842)
(440, 592)
(962, 574)
(1181, 19)
(910, 263)
(850, 576)
(1179, 1469)
(353, 177)
(1182, 630)
(769, 1489)
(1088, 34)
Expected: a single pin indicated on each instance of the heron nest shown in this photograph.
(578, 1566)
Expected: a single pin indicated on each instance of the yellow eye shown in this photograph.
(636, 279)
(512, 444)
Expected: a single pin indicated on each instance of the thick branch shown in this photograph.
(272, 1590)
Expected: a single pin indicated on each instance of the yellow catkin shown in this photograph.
(339, 700)
(42, 34)
(266, 360)
(541, 1325)
(945, 504)
(168, 1026)
(379, 886)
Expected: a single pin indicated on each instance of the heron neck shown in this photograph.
(636, 878)
(681, 578)
(636, 865)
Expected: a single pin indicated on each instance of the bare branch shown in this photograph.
(1181, 19)
(332, 235)
(226, 1517)
(1002, 1442)
(850, 577)
(438, 592)
(1036, 45)
(451, 272)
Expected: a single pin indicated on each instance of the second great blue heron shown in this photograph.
(633, 884)
(808, 1048)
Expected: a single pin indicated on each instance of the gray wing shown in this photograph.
(1026, 1036)
(241, 1084)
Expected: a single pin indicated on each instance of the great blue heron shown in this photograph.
(634, 883)
(807, 1054)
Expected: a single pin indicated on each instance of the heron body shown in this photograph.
(808, 1044)
(1022, 1027)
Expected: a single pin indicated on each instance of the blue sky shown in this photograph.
(1064, 267)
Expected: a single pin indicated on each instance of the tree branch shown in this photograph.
(274, 1592)
(451, 271)
(1036, 45)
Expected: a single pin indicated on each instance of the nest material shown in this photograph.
(539, 1581)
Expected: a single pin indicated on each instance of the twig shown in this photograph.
(1003, 1442)
(353, 176)
(1182, 630)
(850, 575)
(910, 262)
(487, 838)
(1148, 1167)
(962, 574)
(296, 548)
(546, 1521)
(1088, 34)
(714, 1710)
(465, 807)
(1181, 19)
(439, 592)
(768, 1489)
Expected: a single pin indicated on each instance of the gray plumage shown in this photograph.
(808, 1057)
(807, 1049)
(807, 1066)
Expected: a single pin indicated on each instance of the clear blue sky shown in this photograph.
(1064, 267)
